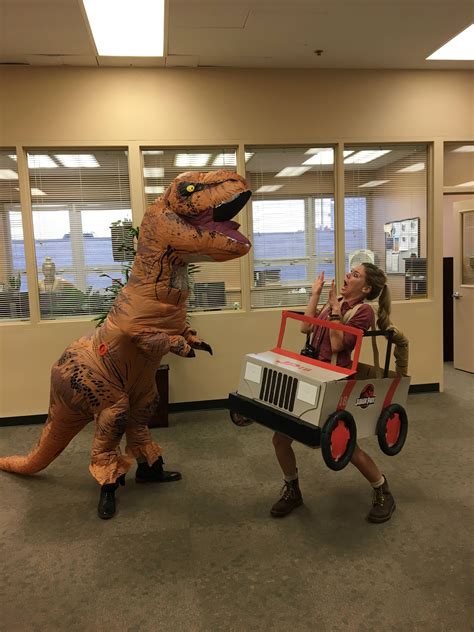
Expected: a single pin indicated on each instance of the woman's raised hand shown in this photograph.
(318, 284)
(332, 299)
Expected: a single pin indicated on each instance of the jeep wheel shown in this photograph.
(392, 428)
(338, 439)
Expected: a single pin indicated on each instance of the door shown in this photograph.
(463, 295)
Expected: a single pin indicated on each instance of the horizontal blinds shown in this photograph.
(292, 222)
(13, 281)
(388, 186)
(213, 286)
(79, 198)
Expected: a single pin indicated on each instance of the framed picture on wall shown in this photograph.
(402, 242)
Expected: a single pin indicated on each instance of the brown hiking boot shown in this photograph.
(383, 504)
(290, 499)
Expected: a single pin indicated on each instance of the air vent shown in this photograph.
(278, 389)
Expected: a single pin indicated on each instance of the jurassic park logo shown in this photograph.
(367, 397)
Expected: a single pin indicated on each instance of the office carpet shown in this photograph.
(203, 554)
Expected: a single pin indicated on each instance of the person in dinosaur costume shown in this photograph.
(109, 375)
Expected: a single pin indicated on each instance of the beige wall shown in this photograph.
(80, 106)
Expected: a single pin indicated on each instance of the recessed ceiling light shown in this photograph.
(34, 191)
(373, 183)
(289, 172)
(418, 166)
(72, 161)
(150, 190)
(191, 160)
(465, 149)
(465, 184)
(8, 174)
(323, 156)
(224, 160)
(41, 161)
(130, 28)
(269, 188)
(459, 48)
(153, 172)
(366, 155)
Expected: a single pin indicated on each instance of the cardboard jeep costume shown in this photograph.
(320, 404)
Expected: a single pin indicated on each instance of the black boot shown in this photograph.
(106, 507)
(155, 473)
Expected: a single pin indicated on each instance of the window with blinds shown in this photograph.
(212, 286)
(388, 186)
(459, 167)
(13, 281)
(292, 222)
(78, 197)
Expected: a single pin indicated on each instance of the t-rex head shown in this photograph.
(195, 219)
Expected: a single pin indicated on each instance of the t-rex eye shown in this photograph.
(187, 188)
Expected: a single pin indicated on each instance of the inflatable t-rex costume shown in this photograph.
(110, 374)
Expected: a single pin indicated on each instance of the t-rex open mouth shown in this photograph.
(218, 219)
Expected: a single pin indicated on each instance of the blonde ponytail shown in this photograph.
(376, 279)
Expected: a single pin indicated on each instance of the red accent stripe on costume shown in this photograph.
(391, 392)
(345, 394)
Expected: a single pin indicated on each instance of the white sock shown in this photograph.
(378, 483)
(292, 477)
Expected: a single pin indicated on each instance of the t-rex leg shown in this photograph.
(108, 464)
(140, 444)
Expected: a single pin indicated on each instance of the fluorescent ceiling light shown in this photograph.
(460, 48)
(367, 155)
(153, 172)
(154, 189)
(248, 155)
(465, 149)
(323, 156)
(41, 161)
(224, 160)
(34, 192)
(466, 184)
(289, 172)
(8, 174)
(77, 160)
(269, 188)
(152, 152)
(191, 160)
(127, 28)
(418, 166)
(373, 183)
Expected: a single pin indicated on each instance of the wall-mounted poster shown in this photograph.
(402, 241)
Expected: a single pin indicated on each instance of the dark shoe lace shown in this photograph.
(287, 491)
(379, 497)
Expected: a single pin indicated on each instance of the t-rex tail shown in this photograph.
(54, 438)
